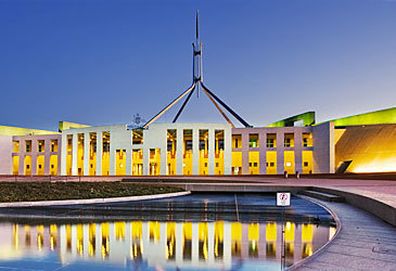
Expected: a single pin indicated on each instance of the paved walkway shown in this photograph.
(364, 243)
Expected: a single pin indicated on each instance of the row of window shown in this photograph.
(288, 140)
(272, 164)
(40, 146)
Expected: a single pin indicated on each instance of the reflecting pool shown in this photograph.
(169, 238)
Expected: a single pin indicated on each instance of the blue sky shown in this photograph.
(100, 62)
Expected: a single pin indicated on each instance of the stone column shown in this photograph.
(245, 152)
(129, 161)
(227, 256)
(59, 155)
(146, 161)
(33, 153)
(211, 151)
(211, 242)
(227, 151)
(22, 154)
(86, 240)
(164, 154)
(75, 154)
(47, 156)
(179, 242)
(298, 151)
(195, 243)
(263, 151)
(99, 153)
(179, 151)
(195, 151)
(98, 242)
(87, 140)
(280, 159)
(63, 156)
(62, 242)
(74, 239)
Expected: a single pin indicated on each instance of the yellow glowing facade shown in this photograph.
(374, 148)
(346, 145)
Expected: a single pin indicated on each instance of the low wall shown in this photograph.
(371, 205)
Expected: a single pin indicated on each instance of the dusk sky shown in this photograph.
(101, 62)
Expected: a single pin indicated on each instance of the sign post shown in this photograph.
(283, 200)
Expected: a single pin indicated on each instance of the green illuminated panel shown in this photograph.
(308, 119)
(386, 116)
(18, 131)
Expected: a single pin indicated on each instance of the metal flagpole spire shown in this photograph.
(197, 55)
(197, 85)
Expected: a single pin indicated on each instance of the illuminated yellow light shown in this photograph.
(15, 234)
(80, 239)
(92, 239)
(289, 231)
(52, 243)
(40, 236)
(120, 228)
(136, 229)
(236, 231)
(307, 232)
(254, 245)
(154, 230)
(53, 236)
(270, 232)
(376, 165)
(187, 229)
(202, 231)
(205, 250)
(332, 232)
(91, 250)
(307, 250)
(105, 239)
(254, 232)
(40, 241)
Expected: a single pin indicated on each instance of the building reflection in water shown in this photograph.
(182, 244)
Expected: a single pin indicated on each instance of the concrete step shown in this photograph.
(322, 196)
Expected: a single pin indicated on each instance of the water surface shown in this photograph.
(196, 232)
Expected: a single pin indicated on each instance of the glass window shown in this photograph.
(28, 145)
(271, 140)
(253, 140)
(41, 146)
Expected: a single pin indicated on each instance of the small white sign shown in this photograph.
(283, 199)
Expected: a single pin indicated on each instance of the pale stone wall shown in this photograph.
(120, 138)
(5, 155)
(34, 153)
(156, 137)
(324, 149)
(262, 148)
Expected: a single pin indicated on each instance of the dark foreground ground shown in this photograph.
(36, 191)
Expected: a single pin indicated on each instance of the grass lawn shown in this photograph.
(35, 191)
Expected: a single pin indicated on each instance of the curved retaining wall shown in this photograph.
(90, 201)
(369, 204)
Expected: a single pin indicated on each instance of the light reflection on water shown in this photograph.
(155, 245)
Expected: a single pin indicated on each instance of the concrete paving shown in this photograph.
(363, 243)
